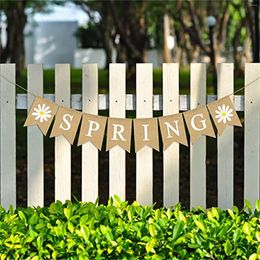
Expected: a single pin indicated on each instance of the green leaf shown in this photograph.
(231, 213)
(247, 228)
(236, 235)
(152, 230)
(22, 216)
(200, 225)
(67, 212)
(248, 206)
(253, 257)
(257, 205)
(70, 227)
(215, 213)
(228, 248)
(177, 230)
(150, 246)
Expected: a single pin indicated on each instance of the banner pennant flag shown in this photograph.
(146, 133)
(119, 133)
(41, 114)
(198, 123)
(223, 113)
(172, 130)
(92, 130)
(66, 123)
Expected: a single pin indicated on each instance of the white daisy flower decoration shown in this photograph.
(42, 113)
(223, 114)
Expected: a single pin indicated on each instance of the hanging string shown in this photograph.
(250, 83)
(26, 90)
(18, 86)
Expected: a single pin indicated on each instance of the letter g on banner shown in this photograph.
(198, 123)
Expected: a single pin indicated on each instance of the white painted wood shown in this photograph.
(89, 151)
(62, 146)
(117, 106)
(35, 148)
(184, 101)
(198, 150)
(252, 132)
(144, 157)
(7, 136)
(171, 160)
(225, 149)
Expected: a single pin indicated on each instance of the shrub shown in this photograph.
(121, 231)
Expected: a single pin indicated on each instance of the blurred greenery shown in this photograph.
(103, 81)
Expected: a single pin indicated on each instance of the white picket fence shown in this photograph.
(144, 102)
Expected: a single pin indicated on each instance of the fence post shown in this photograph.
(89, 151)
(117, 105)
(252, 132)
(144, 157)
(35, 168)
(62, 146)
(171, 157)
(7, 136)
(225, 142)
(198, 150)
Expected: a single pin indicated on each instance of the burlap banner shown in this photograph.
(172, 130)
(198, 123)
(41, 114)
(146, 133)
(119, 130)
(92, 130)
(119, 133)
(66, 123)
(223, 113)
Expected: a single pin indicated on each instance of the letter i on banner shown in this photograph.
(223, 113)
(41, 114)
(198, 123)
(66, 123)
(146, 133)
(92, 130)
(119, 133)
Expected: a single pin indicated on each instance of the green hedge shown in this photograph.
(121, 231)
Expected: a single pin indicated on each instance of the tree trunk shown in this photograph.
(14, 50)
(167, 57)
(133, 32)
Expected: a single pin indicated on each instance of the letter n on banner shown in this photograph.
(172, 130)
(119, 133)
(41, 114)
(146, 133)
(66, 123)
(198, 123)
(92, 130)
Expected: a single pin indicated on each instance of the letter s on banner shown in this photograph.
(66, 123)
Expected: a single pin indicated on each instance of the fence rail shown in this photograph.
(118, 102)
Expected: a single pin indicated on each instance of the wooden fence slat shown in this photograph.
(171, 163)
(225, 149)
(7, 136)
(62, 146)
(117, 107)
(252, 133)
(89, 151)
(198, 150)
(35, 165)
(144, 157)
